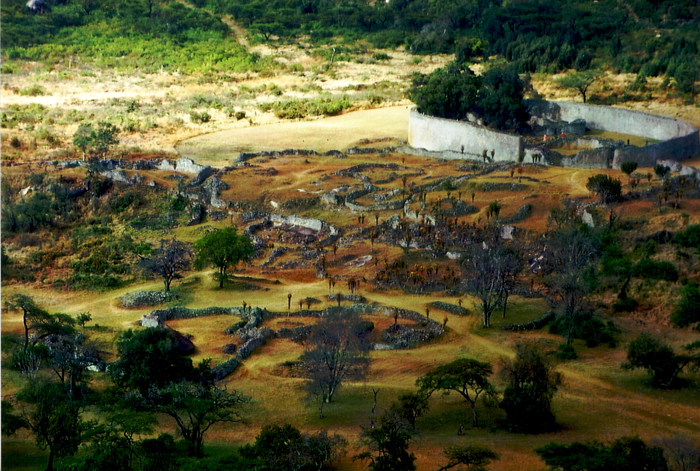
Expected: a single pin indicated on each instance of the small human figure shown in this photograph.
(544, 139)
(461, 429)
(562, 134)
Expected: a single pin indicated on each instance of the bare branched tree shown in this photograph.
(168, 261)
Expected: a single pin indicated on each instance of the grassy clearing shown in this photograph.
(320, 135)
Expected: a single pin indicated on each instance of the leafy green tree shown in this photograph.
(38, 320)
(83, 318)
(285, 448)
(473, 458)
(455, 91)
(688, 310)
(607, 188)
(112, 441)
(501, 99)
(580, 81)
(661, 170)
(223, 249)
(685, 76)
(53, 417)
(410, 406)
(648, 269)
(70, 356)
(623, 454)
(465, 376)
(196, 407)
(169, 261)
(531, 385)
(10, 421)
(450, 92)
(628, 168)
(149, 358)
(97, 141)
(659, 359)
(388, 444)
(689, 237)
(494, 209)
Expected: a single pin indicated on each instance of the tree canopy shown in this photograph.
(661, 362)
(623, 454)
(149, 358)
(223, 249)
(455, 92)
(531, 385)
(465, 376)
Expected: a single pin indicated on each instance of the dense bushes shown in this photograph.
(535, 36)
(294, 109)
(125, 35)
(689, 237)
(688, 310)
(587, 327)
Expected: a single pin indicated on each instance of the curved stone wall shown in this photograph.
(439, 134)
(680, 139)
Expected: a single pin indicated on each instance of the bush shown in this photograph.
(199, 118)
(688, 310)
(566, 352)
(607, 188)
(647, 269)
(34, 90)
(588, 328)
(690, 237)
(296, 109)
(625, 305)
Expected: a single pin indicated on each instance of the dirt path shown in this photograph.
(629, 8)
(228, 20)
(240, 33)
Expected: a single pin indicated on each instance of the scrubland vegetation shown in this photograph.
(361, 308)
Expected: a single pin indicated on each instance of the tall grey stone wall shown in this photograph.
(680, 139)
(439, 134)
(678, 148)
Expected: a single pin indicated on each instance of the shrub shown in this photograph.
(688, 310)
(199, 118)
(566, 352)
(653, 270)
(690, 237)
(625, 305)
(34, 90)
(607, 188)
(588, 328)
(661, 170)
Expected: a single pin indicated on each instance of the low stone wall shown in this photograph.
(438, 134)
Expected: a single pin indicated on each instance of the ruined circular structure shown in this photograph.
(461, 139)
